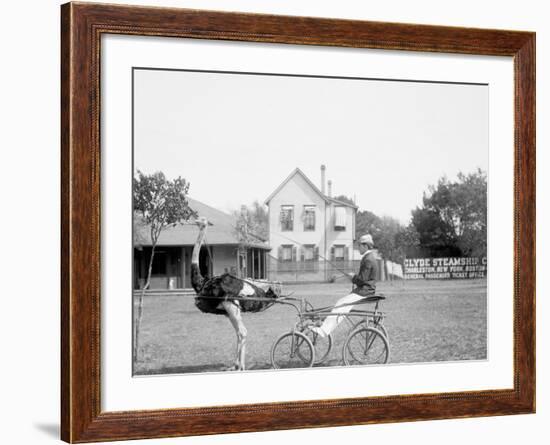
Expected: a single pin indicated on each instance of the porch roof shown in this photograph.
(221, 230)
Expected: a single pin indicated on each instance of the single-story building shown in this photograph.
(221, 251)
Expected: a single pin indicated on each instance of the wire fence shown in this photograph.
(314, 271)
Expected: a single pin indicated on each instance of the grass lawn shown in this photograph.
(426, 321)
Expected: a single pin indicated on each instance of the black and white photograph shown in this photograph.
(275, 222)
(298, 221)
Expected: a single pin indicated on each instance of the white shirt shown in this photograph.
(366, 253)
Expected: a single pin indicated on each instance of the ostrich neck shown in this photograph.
(198, 244)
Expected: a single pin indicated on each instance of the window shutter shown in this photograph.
(340, 218)
(302, 254)
(346, 253)
(280, 253)
(309, 217)
(293, 253)
(316, 253)
(332, 253)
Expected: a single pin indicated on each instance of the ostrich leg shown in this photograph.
(234, 314)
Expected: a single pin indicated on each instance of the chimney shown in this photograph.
(323, 168)
(329, 188)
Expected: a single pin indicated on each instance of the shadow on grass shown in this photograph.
(215, 367)
(221, 367)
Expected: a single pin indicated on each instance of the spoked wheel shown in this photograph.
(292, 350)
(366, 346)
(322, 345)
(378, 326)
(382, 329)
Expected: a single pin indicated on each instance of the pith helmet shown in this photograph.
(367, 239)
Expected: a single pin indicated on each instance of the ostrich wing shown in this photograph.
(234, 287)
(251, 297)
(228, 287)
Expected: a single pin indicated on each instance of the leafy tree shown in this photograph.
(453, 216)
(252, 223)
(344, 198)
(251, 226)
(160, 203)
(368, 222)
(387, 237)
(383, 230)
(139, 228)
(472, 213)
(406, 238)
(260, 220)
(392, 239)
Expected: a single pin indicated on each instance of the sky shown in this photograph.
(235, 137)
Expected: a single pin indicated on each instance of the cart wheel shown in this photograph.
(366, 346)
(292, 350)
(371, 324)
(382, 329)
(322, 345)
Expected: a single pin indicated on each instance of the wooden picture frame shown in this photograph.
(82, 26)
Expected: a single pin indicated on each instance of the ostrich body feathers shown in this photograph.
(227, 287)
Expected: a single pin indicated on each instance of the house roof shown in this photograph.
(220, 231)
(299, 172)
(342, 203)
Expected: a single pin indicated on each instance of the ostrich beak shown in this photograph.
(202, 222)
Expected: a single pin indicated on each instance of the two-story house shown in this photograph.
(310, 232)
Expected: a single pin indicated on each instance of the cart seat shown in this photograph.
(374, 298)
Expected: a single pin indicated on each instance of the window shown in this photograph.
(287, 218)
(308, 250)
(309, 218)
(286, 258)
(340, 218)
(309, 258)
(286, 252)
(339, 252)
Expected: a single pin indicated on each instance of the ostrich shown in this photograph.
(228, 295)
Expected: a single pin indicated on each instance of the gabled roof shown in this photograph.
(221, 230)
(299, 172)
(342, 203)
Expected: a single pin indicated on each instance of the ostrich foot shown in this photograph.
(235, 367)
(230, 368)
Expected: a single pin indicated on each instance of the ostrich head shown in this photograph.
(202, 222)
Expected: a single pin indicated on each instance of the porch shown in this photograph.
(171, 268)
